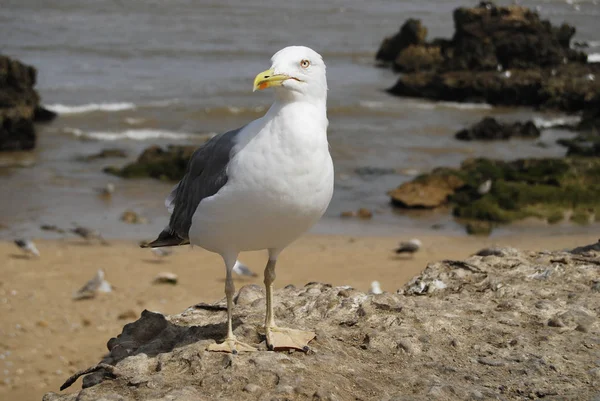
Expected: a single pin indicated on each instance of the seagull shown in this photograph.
(95, 285)
(88, 234)
(410, 246)
(260, 186)
(27, 246)
(485, 187)
(106, 191)
(375, 288)
(243, 270)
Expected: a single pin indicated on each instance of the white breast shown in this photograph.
(280, 183)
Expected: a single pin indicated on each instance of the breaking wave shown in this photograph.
(87, 108)
(132, 134)
(556, 121)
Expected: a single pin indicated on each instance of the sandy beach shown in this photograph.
(46, 336)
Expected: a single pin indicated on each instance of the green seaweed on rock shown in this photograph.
(541, 188)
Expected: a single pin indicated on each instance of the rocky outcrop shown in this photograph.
(491, 129)
(411, 33)
(19, 105)
(587, 143)
(569, 87)
(157, 162)
(508, 325)
(498, 55)
(496, 191)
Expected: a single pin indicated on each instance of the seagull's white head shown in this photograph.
(296, 73)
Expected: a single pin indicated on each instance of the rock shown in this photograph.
(248, 294)
(369, 171)
(479, 228)
(451, 343)
(418, 58)
(364, 213)
(19, 105)
(412, 32)
(108, 153)
(131, 217)
(499, 55)
(156, 162)
(587, 143)
(129, 314)
(489, 129)
(542, 188)
(580, 250)
(427, 191)
(563, 87)
(166, 278)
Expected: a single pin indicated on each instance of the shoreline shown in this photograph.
(49, 336)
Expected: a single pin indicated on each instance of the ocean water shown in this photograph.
(129, 74)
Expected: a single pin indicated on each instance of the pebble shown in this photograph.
(165, 278)
(251, 388)
(131, 217)
(129, 314)
(364, 213)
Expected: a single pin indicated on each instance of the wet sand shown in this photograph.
(45, 336)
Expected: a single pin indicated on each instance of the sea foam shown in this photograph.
(132, 134)
(90, 107)
(544, 123)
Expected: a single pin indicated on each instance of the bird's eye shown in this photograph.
(305, 64)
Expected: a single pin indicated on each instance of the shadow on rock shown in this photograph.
(151, 335)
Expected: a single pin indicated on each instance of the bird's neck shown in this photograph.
(300, 109)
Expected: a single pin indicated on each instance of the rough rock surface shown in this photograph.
(512, 325)
(19, 105)
(412, 32)
(157, 162)
(490, 129)
(498, 55)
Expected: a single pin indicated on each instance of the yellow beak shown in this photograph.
(268, 78)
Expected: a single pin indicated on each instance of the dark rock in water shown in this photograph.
(43, 115)
(108, 153)
(498, 55)
(418, 58)
(412, 32)
(564, 87)
(482, 228)
(428, 191)
(587, 143)
(490, 129)
(543, 188)
(19, 105)
(580, 44)
(156, 162)
(367, 171)
(496, 328)
(514, 37)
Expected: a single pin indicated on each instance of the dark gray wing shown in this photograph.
(206, 173)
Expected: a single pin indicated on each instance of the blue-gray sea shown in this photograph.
(131, 73)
